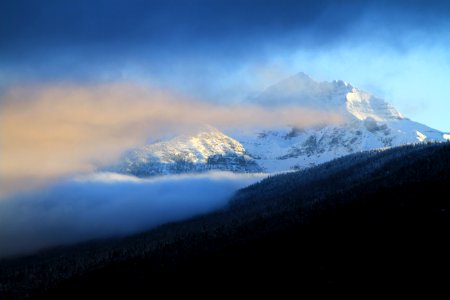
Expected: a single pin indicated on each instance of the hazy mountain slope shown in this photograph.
(369, 123)
(205, 150)
(360, 220)
(336, 96)
(278, 150)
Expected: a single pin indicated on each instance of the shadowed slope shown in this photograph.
(375, 219)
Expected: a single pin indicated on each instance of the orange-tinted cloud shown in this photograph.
(51, 131)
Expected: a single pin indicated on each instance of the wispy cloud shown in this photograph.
(52, 131)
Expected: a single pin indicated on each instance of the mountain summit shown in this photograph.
(336, 96)
(369, 123)
(207, 149)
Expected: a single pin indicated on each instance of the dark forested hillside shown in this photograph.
(377, 219)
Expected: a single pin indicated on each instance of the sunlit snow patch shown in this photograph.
(420, 136)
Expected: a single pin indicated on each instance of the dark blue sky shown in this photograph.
(230, 49)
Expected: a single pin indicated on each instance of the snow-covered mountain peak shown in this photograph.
(206, 149)
(199, 146)
(196, 147)
(337, 96)
(363, 106)
(369, 123)
(302, 90)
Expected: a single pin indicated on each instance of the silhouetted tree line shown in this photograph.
(390, 187)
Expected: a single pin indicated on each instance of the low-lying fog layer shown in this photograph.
(103, 205)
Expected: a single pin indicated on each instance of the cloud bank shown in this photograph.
(217, 49)
(53, 131)
(107, 205)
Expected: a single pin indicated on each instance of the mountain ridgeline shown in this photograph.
(208, 149)
(377, 183)
(368, 123)
(373, 219)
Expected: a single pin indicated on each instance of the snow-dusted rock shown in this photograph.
(369, 123)
(208, 149)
